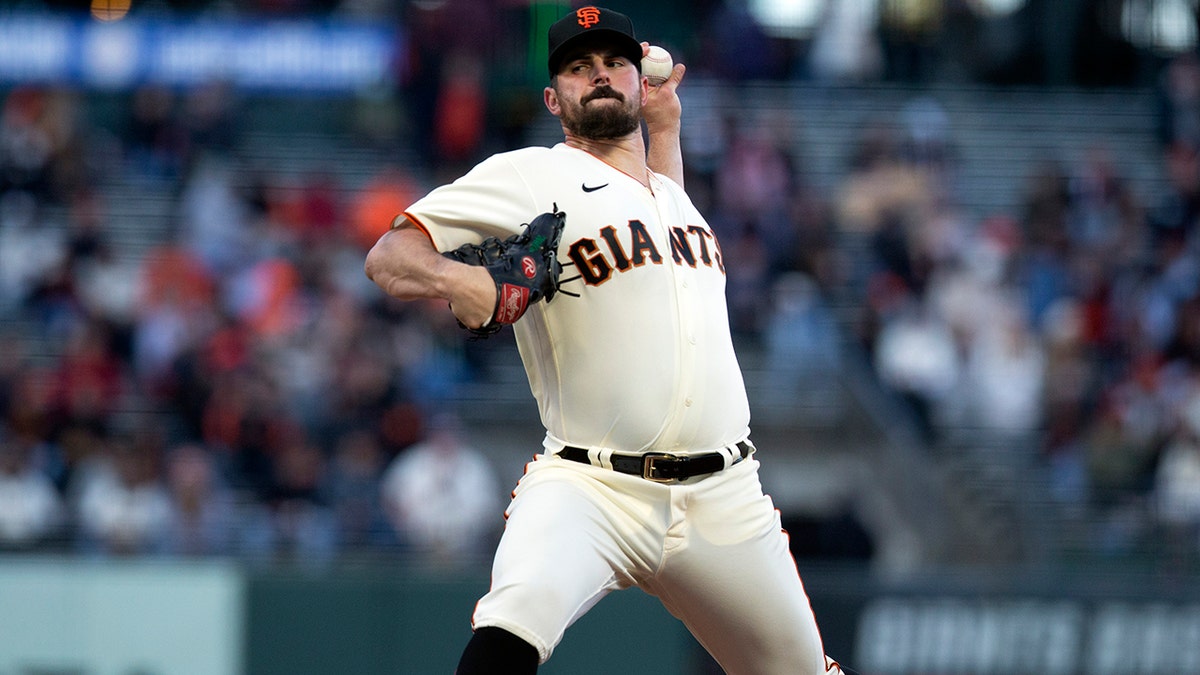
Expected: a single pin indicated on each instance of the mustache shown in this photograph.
(603, 91)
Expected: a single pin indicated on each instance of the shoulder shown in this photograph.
(675, 190)
(520, 161)
(521, 155)
(668, 181)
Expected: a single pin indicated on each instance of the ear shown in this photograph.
(550, 98)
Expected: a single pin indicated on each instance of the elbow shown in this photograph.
(377, 268)
(376, 264)
(371, 265)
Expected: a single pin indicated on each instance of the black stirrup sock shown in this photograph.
(495, 651)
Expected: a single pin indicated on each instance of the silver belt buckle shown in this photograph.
(648, 468)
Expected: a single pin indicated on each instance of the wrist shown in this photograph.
(471, 290)
(664, 129)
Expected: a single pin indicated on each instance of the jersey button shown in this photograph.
(687, 402)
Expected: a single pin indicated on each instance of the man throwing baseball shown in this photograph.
(648, 476)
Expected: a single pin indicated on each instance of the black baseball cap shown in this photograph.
(588, 22)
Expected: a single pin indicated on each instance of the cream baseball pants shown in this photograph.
(710, 548)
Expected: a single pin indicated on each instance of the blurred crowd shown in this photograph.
(238, 388)
(235, 387)
(1058, 341)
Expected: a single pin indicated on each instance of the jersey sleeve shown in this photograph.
(492, 200)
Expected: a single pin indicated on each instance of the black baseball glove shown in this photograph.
(524, 266)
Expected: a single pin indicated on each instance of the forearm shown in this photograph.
(665, 154)
(406, 266)
(663, 113)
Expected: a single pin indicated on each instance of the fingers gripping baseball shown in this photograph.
(662, 108)
(524, 269)
(659, 69)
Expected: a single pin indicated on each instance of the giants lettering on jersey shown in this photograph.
(692, 246)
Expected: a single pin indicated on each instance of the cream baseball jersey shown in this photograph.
(609, 369)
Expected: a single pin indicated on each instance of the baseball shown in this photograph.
(657, 65)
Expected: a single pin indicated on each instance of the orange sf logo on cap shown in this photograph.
(588, 16)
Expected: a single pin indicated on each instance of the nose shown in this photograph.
(600, 74)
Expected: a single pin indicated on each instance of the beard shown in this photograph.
(603, 121)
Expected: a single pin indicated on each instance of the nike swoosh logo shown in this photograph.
(587, 188)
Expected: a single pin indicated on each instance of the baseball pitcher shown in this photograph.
(615, 287)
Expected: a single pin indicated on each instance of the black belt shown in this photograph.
(661, 466)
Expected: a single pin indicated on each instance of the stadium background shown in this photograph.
(965, 298)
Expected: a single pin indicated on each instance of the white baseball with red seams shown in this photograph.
(657, 65)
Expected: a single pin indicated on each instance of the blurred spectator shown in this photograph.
(106, 284)
(30, 251)
(1005, 373)
(1179, 210)
(754, 189)
(1046, 205)
(354, 489)
(56, 302)
(998, 394)
(266, 297)
(461, 111)
(364, 385)
(1126, 436)
(40, 153)
(242, 419)
(747, 281)
(89, 379)
(123, 506)
(155, 140)
(1177, 484)
(442, 495)
(756, 178)
(731, 29)
(846, 46)
(917, 357)
(306, 209)
(704, 139)
(28, 411)
(211, 118)
(1106, 217)
(909, 31)
(880, 187)
(1070, 377)
(174, 314)
(1178, 99)
(14, 361)
(172, 273)
(203, 520)
(378, 201)
(31, 511)
(26, 145)
(802, 341)
(294, 522)
(927, 141)
(215, 219)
